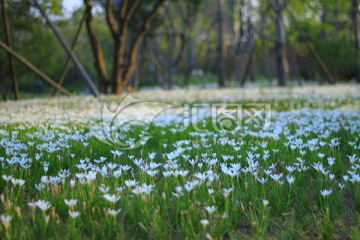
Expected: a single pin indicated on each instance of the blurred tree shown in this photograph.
(355, 8)
(31, 39)
(171, 39)
(99, 61)
(8, 41)
(282, 65)
(125, 18)
(220, 44)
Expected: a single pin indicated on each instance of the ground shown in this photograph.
(217, 164)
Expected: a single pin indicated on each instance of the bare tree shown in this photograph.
(282, 66)
(124, 66)
(9, 43)
(220, 44)
(99, 61)
(355, 20)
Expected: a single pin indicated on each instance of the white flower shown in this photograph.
(151, 155)
(74, 214)
(32, 204)
(178, 189)
(113, 212)
(90, 176)
(276, 177)
(72, 182)
(265, 202)
(326, 192)
(227, 191)
(131, 183)
(331, 160)
(104, 189)
(5, 219)
(7, 178)
(152, 172)
(117, 173)
(117, 152)
(17, 181)
(204, 222)
(71, 202)
(43, 205)
(210, 209)
(290, 179)
(290, 168)
(112, 197)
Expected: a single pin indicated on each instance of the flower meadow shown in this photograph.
(298, 178)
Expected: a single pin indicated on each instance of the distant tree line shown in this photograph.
(125, 45)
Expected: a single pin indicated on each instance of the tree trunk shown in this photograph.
(281, 57)
(2, 86)
(124, 66)
(220, 44)
(323, 19)
(99, 61)
(355, 19)
(8, 42)
(190, 63)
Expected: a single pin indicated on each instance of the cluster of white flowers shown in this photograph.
(185, 165)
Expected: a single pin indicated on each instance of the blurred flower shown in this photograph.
(71, 202)
(326, 192)
(113, 212)
(210, 209)
(5, 219)
(112, 197)
(204, 222)
(43, 205)
(74, 214)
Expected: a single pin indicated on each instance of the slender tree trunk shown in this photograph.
(67, 49)
(119, 65)
(11, 60)
(2, 86)
(323, 18)
(191, 62)
(281, 57)
(68, 60)
(124, 66)
(355, 18)
(220, 44)
(99, 61)
(33, 68)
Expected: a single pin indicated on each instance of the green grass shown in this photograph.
(248, 201)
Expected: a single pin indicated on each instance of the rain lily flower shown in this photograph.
(71, 202)
(326, 192)
(113, 198)
(43, 205)
(5, 219)
(113, 212)
(74, 214)
(210, 209)
(204, 222)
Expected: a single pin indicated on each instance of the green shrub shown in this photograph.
(339, 56)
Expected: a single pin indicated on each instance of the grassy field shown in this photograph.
(270, 164)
